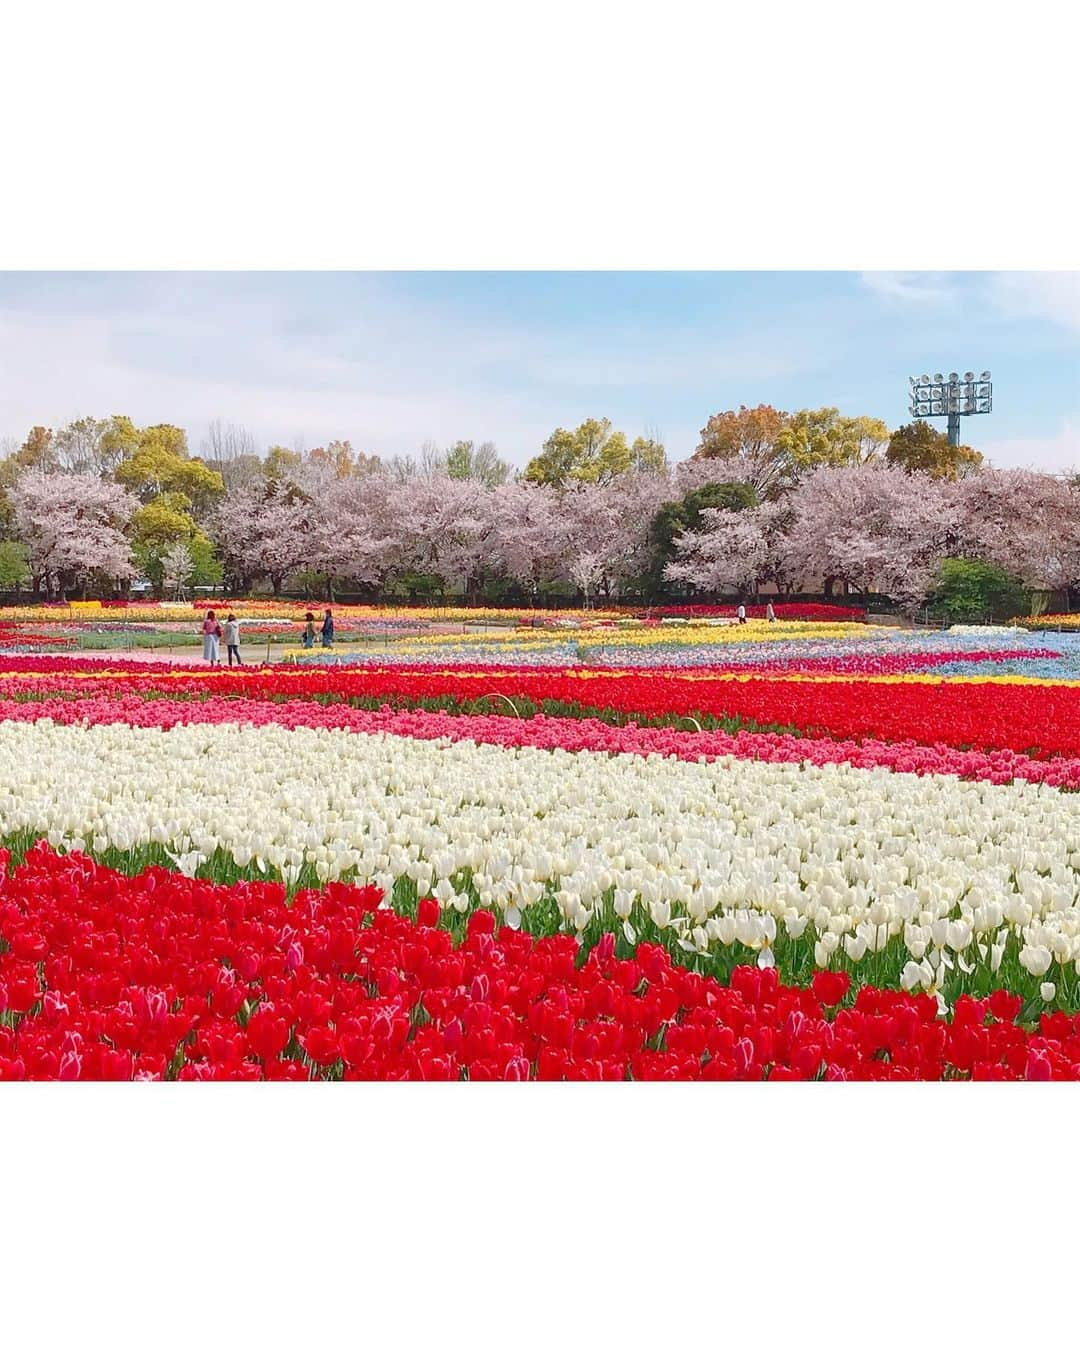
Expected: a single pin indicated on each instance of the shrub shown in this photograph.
(968, 591)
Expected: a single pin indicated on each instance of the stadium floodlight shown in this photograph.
(953, 397)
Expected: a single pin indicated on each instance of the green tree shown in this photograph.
(555, 461)
(675, 518)
(206, 566)
(481, 463)
(920, 448)
(14, 565)
(591, 453)
(158, 527)
(155, 469)
(969, 591)
(813, 437)
(648, 454)
(164, 436)
(119, 440)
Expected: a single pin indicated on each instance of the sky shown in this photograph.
(390, 360)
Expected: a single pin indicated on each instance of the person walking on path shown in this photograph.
(741, 612)
(308, 637)
(211, 636)
(232, 639)
(328, 630)
(770, 613)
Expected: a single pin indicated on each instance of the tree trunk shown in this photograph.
(275, 583)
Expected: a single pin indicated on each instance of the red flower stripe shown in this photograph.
(107, 976)
(1043, 719)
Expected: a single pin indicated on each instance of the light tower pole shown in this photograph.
(953, 397)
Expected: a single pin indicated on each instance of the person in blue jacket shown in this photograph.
(328, 630)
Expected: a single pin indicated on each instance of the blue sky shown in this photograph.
(390, 360)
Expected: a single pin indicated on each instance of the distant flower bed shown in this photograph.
(1051, 621)
(828, 613)
(16, 638)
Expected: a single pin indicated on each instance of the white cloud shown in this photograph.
(1052, 454)
(919, 288)
(388, 372)
(1052, 296)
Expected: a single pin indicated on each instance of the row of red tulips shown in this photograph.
(795, 611)
(1042, 720)
(551, 733)
(107, 976)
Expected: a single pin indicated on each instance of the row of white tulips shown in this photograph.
(735, 851)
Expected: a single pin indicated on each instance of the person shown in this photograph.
(741, 612)
(308, 638)
(328, 630)
(211, 635)
(232, 638)
(770, 613)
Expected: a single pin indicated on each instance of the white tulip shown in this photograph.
(881, 854)
(1035, 960)
(911, 976)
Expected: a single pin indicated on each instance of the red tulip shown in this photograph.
(830, 986)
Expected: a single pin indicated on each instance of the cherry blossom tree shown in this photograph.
(1025, 522)
(607, 529)
(356, 533)
(529, 541)
(446, 527)
(875, 527)
(73, 527)
(177, 566)
(264, 530)
(731, 551)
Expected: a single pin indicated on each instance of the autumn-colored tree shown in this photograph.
(749, 441)
(36, 452)
(281, 463)
(920, 448)
(342, 459)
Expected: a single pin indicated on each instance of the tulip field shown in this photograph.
(579, 847)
